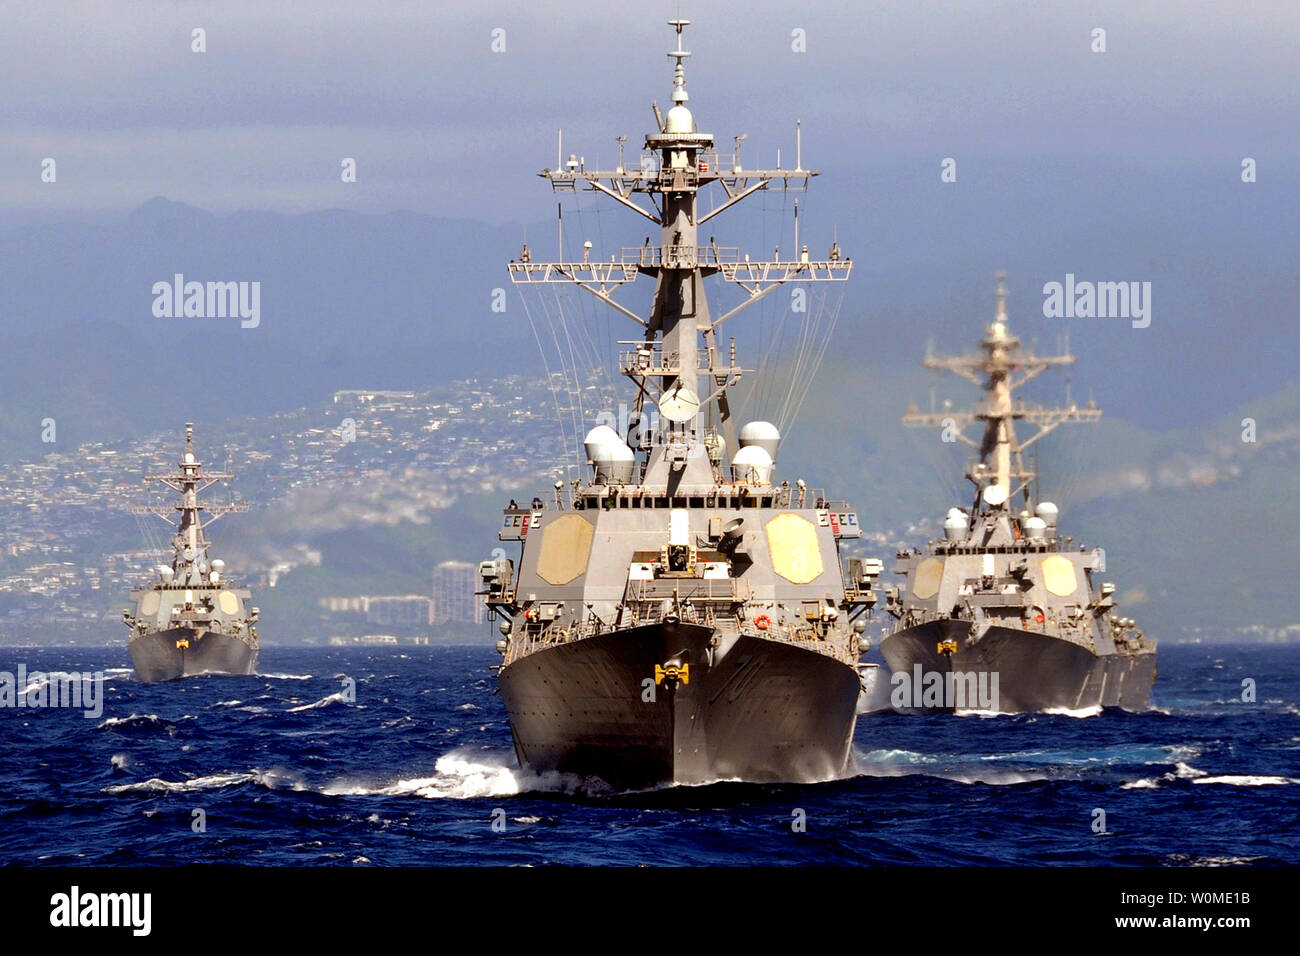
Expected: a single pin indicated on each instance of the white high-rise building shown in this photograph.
(454, 600)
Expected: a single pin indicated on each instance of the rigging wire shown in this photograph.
(550, 381)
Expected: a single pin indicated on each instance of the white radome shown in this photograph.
(762, 435)
(751, 464)
(679, 120)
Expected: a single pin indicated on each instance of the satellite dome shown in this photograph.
(752, 464)
(995, 495)
(612, 459)
(679, 120)
(599, 436)
(166, 573)
(762, 435)
(1048, 512)
(617, 470)
(1036, 528)
(218, 565)
(954, 526)
(189, 458)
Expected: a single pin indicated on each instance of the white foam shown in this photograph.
(42, 679)
(158, 785)
(285, 676)
(270, 779)
(1080, 713)
(460, 776)
(1247, 780)
(132, 719)
(335, 698)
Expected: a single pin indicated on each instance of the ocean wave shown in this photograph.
(460, 776)
(43, 679)
(286, 676)
(158, 785)
(339, 697)
(1182, 771)
(903, 763)
(270, 779)
(1182, 859)
(1025, 766)
(137, 722)
(1248, 780)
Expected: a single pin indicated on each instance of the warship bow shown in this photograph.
(677, 616)
(1003, 613)
(191, 620)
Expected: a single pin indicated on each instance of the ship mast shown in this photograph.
(1001, 367)
(189, 480)
(679, 366)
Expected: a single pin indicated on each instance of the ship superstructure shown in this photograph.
(678, 616)
(1004, 612)
(191, 620)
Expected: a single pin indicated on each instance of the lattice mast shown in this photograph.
(189, 480)
(679, 365)
(1001, 367)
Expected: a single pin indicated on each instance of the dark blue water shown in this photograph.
(286, 771)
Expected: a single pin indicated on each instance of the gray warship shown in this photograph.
(1004, 613)
(676, 616)
(191, 620)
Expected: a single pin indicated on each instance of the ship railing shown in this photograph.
(721, 614)
(536, 636)
(1056, 623)
(679, 257)
(646, 362)
(682, 591)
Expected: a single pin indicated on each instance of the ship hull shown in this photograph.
(874, 696)
(1035, 672)
(157, 658)
(751, 709)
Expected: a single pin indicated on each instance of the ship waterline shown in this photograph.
(1027, 671)
(176, 652)
(742, 707)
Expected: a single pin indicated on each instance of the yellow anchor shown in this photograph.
(674, 673)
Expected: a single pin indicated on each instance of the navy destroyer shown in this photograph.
(191, 620)
(677, 616)
(1004, 613)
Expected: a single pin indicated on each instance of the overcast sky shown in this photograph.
(439, 123)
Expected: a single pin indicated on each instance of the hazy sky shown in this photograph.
(439, 123)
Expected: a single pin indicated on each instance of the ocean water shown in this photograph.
(286, 770)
